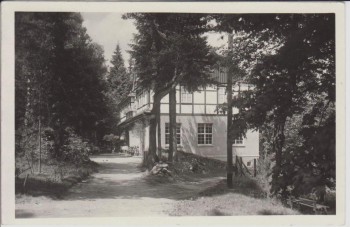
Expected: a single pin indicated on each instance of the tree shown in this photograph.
(169, 49)
(301, 70)
(119, 84)
(119, 80)
(32, 48)
(244, 50)
(59, 80)
(78, 71)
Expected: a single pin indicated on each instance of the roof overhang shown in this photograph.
(128, 122)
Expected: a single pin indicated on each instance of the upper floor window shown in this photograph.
(205, 133)
(238, 141)
(142, 99)
(178, 133)
(186, 97)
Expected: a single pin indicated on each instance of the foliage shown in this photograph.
(118, 86)
(166, 42)
(169, 50)
(112, 140)
(241, 57)
(74, 149)
(310, 160)
(118, 79)
(289, 83)
(59, 81)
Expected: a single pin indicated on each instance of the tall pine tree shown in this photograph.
(119, 80)
(59, 79)
(169, 51)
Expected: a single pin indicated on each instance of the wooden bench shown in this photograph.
(308, 203)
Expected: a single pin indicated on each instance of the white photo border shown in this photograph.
(8, 10)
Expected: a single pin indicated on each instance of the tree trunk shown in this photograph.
(279, 139)
(278, 143)
(159, 138)
(229, 120)
(172, 126)
(39, 125)
(151, 155)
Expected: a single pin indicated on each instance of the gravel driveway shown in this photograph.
(118, 189)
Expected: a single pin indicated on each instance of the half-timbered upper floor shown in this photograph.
(204, 101)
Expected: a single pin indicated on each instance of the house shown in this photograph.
(201, 128)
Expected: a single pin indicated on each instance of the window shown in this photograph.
(238, 141)
(178, 133)
(186, 97)
(205, 133)
(249, 164)
(142, 99)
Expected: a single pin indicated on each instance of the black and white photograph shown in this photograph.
(126, 113)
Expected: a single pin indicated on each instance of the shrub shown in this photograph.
(112, 142)
(76, 150)
(73, 149)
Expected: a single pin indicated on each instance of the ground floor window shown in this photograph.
(205, 133)
(167, 133)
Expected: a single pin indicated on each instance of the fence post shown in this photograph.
(254, 167)
(241, 165)
(236, 169)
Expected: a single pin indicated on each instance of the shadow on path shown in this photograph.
(121, 178)
(118, 189)
(23, 214)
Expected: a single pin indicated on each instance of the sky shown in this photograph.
(109, 29)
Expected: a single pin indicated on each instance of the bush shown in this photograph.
(330, 198)
(73, 149)
(112, 142)
(76, 150)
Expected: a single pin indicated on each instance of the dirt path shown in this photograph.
(118, 189)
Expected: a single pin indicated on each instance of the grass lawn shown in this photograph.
(230, 204)
(245, 198)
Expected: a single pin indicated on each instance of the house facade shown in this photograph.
(201, 125)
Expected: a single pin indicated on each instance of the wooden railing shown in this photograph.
(242, 169)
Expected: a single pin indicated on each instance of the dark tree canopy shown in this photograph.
(59, 78)
(166, 42)
(300, 76)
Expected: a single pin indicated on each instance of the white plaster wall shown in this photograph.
(146, 138)
(137, 135)
(249, 150)
(134, 137)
